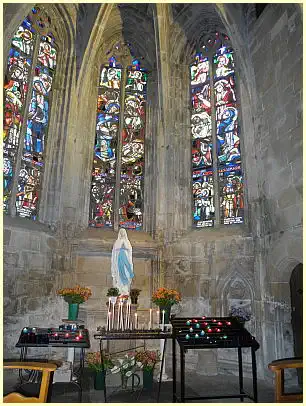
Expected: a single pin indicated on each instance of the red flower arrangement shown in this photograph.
(147, 358)
(166, 297)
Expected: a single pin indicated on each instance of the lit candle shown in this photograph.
(127, 314)
(150, 322)
(163, 320)
(121, 315)
(113, 315)
(136, 323)
(108, 316)
(157, 316)
(118, 318)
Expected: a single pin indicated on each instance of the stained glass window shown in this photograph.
(30, 72)
(216, 158)
(124, 176)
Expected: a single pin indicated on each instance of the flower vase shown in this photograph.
(167, 309)
(73, 311)
(124, 380)
(147, 378)
(99, 380)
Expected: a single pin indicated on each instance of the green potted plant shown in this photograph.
(113, 294)
(148, 359)
(134, 294)
(99, 365)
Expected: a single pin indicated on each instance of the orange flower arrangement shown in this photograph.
(165, 297)
(77, 294)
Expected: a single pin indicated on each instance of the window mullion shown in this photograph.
(28, 97)
(119, 150)
(214, 142)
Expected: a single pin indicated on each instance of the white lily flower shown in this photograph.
(129, 373)
(125, 366)
(115, 370)
(120, 361)
(139, 364)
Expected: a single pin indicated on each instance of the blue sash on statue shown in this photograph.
(124, 267)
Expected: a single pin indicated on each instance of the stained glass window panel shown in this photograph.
(132, 157)
(24, 38)
(105, 148)
(222, 136)
(28, 192)
(203, 198)
(18, 66)
(42, 81)
(101, 199)
(47, 55)
(231, 195)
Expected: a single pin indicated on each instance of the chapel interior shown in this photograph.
(71, 182)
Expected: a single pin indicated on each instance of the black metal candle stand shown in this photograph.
(204, 332)
(212, 332)
(132, 333)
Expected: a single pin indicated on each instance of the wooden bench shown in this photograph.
(278, 367)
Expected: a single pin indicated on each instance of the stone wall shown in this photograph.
(276, 38)
(34, 267)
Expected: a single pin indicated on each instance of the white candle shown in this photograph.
(150, 322)
(121, 315)
(135, 321)
(129, 317)
(113, 316)
(118, 318)
(109, 321)
(163, 320)
(108, 316)
(157, 316)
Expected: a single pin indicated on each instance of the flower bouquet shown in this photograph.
(165, 298)
(99, 365)
(240, 313)
(75, 295)
(127, 367)
(147, 358)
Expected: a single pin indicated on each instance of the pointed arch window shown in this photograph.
(27, 90)
(118, 163)
(216, 156)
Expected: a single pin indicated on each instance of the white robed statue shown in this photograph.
(122, 264)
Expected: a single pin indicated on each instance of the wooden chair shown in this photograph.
(47, 370)
(278, 367)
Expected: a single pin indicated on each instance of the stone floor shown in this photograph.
(196, 385)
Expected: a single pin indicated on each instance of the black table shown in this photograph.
(34, 337)
(208, 333)
(111, 335)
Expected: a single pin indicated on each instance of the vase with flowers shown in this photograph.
(165, 299)
(241, 314)
(127, 367)
(134, 294)
(74, 296)
(99, 363)
(148, 359)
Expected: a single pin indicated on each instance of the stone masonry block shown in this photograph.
(6, 236)
(288, 197)
(10, 259)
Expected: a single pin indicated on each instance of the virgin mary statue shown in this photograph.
(122, 264)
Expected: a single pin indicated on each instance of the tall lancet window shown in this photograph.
(216, 158)
(27, 90)
(118, 163)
